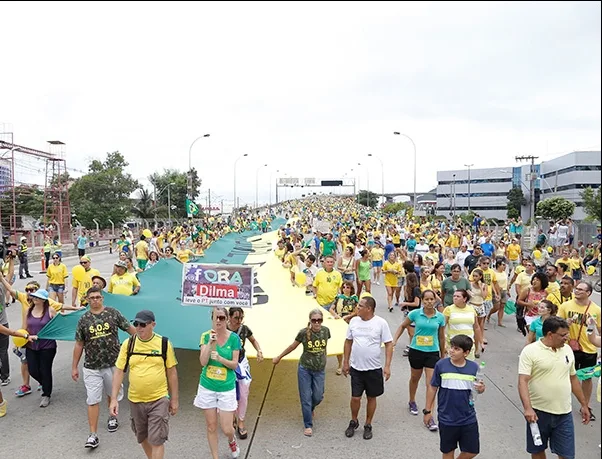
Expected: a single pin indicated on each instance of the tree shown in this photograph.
(177, 191)
(395, 207)
(144, 207)
(557, 208)
(104, 192)
(591, 203)
(516, 200)
(29, 200)
(367, 198)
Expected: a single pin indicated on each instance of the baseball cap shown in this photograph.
(121, 264)
(145, 316)
(41, 294)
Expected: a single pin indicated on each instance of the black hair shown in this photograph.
(552, 324)
(142, 237)
(93, 289)
(456, 266)
(408, 266)
(542, 278)
(464, 293)
(588, 285)
(370, 302)
(568, 278)
(463, 342)
(311, 258)
(233, 310)
(550, 306)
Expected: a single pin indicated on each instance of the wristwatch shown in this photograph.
(425, 412)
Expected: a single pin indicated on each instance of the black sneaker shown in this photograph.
(92, 442)
(367, 431)
(112, 424)
(353, 425)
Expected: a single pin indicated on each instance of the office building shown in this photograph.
(485, 191)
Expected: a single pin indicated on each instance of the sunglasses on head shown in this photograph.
(317, 321)
(139, 324)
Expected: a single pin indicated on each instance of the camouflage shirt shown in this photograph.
(314, 348)
(99, 333)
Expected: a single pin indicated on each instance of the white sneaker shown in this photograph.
(45, 402)
(234, 449)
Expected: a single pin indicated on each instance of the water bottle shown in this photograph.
(535, 434)
(591, 324)
(480, 377)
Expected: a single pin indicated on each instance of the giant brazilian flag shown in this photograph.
(279, 310)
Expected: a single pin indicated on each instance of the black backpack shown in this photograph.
(132, 344)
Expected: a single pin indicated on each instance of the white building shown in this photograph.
(485, 191)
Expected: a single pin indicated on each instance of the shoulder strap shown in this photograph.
(164, 342)
(131, 345)
(583, 320)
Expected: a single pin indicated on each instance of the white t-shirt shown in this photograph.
(461, 257)
(367, 336)
(562, 232)
(421, 249)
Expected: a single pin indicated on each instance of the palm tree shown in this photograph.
(144, 207)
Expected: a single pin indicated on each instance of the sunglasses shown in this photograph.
(220, 318)
(84, 262)
(317, 321)
(55, 258)
(30, 290)
(139, 324)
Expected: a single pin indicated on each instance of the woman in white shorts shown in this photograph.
(217, 386)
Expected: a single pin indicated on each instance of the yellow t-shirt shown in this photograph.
(279, 252)
(142, 250)
(82, 280)
(327, 285)
(377, 254)
(57, 274)
(548, 370)
(489, 278)
(396, 239)
(22, 298)
(513, 252)
(434, 257)
(184, 255)
(123, 285)
(523, 280)
(148, 381)
(575, 264)
(502, 280)
(572, 310)
(390, 278)
(566, 261)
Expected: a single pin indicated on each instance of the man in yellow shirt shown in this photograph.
(577, 312)
(153, 377)
(122, 282)
(327, 283)
(141, 252)
(82, 280)
(513, 253)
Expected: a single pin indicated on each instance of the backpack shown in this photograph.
(132, 344)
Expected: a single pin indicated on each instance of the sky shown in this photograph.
(310, 89)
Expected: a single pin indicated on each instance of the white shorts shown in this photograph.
(207, 399)
(97, 380)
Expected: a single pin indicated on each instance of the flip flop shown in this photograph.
(308, 432)
(242, 433)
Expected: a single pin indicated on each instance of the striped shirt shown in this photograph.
(454, 401)
(461, 320)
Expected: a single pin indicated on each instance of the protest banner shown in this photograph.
(217, 285)
(323, 226)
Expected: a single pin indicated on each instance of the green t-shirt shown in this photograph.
(328, 247)
(314, 348)
(215, 376)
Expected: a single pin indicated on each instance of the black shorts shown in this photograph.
(420, 359)
(81, 252)
(585, 360)
(467, 437)
(397, 245)
(369, 381)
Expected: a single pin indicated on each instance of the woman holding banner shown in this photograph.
(220, 349)
(235, 325)
(310, 374)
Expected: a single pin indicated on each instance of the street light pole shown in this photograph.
(382, 173)
(469, 166)
(235, 162)
(169, 202)
(257, 186)
(414, 145)
(270, 187)
(190, 164)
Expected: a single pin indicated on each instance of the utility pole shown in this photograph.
(469, 166)
(532, 178)
(209, 199)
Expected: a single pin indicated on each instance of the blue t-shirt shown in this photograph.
(488, 249)
(455, 384)
(81, 242)
(426, 333)
(537, 327)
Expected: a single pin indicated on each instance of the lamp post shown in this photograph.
(271, 175)
(190, 164)
(169, 202)
(235, 162)
(414, 145)
(468, 166)
(382, 174)
(257, 185)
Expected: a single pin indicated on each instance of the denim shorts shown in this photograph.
(558, 430)
(349, 277)
(377, 264)
(57, 288)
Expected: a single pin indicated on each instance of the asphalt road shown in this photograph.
(274, 415)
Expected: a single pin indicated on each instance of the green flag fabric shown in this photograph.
(191, 208)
